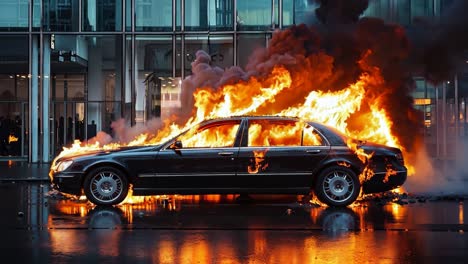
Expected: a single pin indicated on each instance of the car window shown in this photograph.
(271, 133)
(263, 133)
(211, 136)
(311, 137)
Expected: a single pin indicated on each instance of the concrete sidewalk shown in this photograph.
(23, 171)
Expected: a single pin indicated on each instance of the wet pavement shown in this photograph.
(39, 225)
(11, 170)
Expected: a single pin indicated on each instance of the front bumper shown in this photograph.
(67, 182)
(381, 183)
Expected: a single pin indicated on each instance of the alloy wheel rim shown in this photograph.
(338, 186)
(106, 186)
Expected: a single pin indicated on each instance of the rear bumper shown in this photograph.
(67, 182)
(381, 183)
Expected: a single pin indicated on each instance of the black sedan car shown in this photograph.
(237, 155)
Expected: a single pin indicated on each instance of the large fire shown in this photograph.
(299, 79)
(243, 98)
(249, 98)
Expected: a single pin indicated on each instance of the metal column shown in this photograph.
(45, 99)
(34, 99)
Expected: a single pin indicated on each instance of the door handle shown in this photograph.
(225, 153)
(313, 151)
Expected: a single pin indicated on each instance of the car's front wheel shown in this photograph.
(106, 186)
(337, 186)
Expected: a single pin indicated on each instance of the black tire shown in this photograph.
(106, 186)
(337, 186)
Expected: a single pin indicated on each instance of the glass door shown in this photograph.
(68, 108)
(13, 129)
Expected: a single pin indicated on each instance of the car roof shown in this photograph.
(253, 117)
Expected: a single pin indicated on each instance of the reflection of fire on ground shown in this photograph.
(258, 163)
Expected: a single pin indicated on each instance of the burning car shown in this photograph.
(237, 155)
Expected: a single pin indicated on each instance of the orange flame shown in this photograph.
(390, 171)
(269, 95)
(344, 164)
(12, 138)
(259, 163)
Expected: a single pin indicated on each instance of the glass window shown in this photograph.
(275, 15)
(209, 15)
(153, 15)
(14, 84)
(193, 43)
(196, 15)
(445, 5)
(109, 112)
(219, 47)
(88, 68)
(289, 7)
(420, 87)
(68, 86)
(272, 133)
(61, 15)
(14, 67)
(105, 15)
(311, 137)
(254, 15)
(13, 87)
(246, 44)
(380, 9)
(128, 15)
(403, 12)
(421, 8)
(36, 9)
(13, 129)
(211, 136)
(304, 12)
(430, 90)
(221, 50)
(14, 15)
(154, 78)
(105, 54)
(221, 14)
(178, 14)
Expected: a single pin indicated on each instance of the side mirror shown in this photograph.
(176, 145)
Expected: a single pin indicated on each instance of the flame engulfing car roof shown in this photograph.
(240, 154)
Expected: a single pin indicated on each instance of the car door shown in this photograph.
(278, 155)
(205, 160)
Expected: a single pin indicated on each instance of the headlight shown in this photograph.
(64, 165)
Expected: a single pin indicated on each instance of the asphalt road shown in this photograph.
(41, 226)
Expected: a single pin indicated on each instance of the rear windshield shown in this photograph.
(335, 137)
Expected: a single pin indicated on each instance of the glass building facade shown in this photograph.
(68, 68)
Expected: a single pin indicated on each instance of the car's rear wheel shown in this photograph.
(106, 186)
(337, 186)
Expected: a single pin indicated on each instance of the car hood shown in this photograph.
(125, 149)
